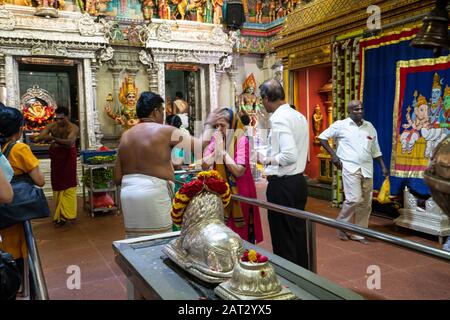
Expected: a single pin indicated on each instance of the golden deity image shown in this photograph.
(126, 116)
(37, 115)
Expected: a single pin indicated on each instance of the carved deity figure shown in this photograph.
(280, 10)
(208, 11)
(317, 123)
(198, 5)
(272, 10)
(180, 11)
(289, 6)
(218, 4)
(93, 7)
(147, 9)
(258, 10)
(163, 10)
(127, 97)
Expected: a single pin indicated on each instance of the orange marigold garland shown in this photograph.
(206, 180)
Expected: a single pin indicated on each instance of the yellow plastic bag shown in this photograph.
(385, 191)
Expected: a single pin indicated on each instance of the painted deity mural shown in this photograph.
(422, 116)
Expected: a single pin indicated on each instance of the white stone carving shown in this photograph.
(164, 32)
(218, 36)
(86, 25)
(225, 63)
(235, 39)
(36, 92)
(212, 87)
(91, 137)
(161, 80)
(7, 20)
(146, 58)
(111, 30)
(49, 49)
(106, 54)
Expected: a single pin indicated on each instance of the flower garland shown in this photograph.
(206, 180)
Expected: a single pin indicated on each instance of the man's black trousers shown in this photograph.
(288, 233)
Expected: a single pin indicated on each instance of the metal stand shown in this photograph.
(89, 191)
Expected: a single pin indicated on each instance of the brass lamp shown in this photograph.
(434, 32)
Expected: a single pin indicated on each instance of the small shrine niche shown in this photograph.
(38, 107)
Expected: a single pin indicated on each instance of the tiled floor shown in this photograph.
(87, 244)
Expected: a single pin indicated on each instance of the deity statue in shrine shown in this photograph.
(317, 123)
(249, 103)
(126, 117)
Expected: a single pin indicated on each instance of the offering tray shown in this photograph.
(253, 281)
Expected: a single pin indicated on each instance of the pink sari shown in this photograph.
(246, 188)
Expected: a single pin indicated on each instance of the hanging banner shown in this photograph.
(421, 114)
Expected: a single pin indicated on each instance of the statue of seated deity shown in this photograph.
(126, 117)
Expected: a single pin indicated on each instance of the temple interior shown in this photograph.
(96, 58)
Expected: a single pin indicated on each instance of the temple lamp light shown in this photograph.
(434, 32)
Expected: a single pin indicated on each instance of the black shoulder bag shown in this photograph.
(29, 201)
(10, 278)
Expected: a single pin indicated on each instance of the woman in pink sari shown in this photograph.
(233, 164)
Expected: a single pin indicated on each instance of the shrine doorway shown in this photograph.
(50, 86)
(184, 78)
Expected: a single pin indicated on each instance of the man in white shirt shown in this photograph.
(285, 162)
(357, 145)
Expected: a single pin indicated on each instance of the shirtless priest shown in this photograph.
(144, 167)
(62, 135)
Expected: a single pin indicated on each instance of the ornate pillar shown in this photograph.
(115, 71)
(233, 87)
(2, 79)
(97, 127)
(152, 71)
(12, 85)
(161, 79)
(219, 75)
(212, 87)
(89, 104)
(132, 71)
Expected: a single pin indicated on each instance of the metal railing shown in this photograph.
(38, 288)
(312, 218)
